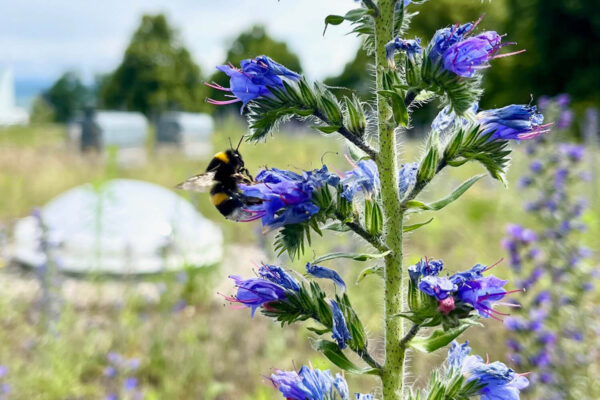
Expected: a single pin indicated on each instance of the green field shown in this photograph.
(205, 350)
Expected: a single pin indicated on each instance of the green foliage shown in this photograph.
(440, 337)
(41, 111)
(339, 359)
(448, 385)
(157, 73)
(67, 96)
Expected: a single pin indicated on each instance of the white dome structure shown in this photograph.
(125, 227)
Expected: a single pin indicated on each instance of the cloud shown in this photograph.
(41, 39)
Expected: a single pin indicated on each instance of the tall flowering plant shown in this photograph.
(425, 308)
(553, 336)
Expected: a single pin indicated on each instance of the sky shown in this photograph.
(40, 39)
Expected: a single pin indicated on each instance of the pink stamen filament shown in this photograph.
(216, 86)
(222, 102)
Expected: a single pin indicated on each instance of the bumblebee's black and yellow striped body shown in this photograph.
(223, 173)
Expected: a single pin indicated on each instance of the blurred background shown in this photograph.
(112, 281)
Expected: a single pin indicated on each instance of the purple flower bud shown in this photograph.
(411, 47)
(438, 287)
(340, 331)
(307, 384)
(279, 276)
(423, 268)
(326, 273)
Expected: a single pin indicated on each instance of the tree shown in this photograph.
(249, 44)
(67, 96)
(157, 73)
(353, 76)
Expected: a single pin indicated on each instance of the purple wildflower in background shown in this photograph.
(574, 152)
(500, 382)
(411, 47)
(514, 122)
(286, 196)
(340, 331)
(308, 384)
(466, 57)
(255, 292)
(279, 276)
(326, 273)
(253, 80)
(130, 383)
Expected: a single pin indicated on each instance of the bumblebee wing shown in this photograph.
(198, 183)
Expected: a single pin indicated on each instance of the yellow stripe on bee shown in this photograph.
(218, 198)
(222, 156)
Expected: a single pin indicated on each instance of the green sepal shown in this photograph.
(319, 331)
(327, 129)
(339, 359)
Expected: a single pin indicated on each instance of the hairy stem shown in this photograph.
(395, 288)
(352, 138)
(373, 240)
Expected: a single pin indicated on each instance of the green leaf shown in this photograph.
(375, 269)
(319, 331)
(459, 191)
(336, 227)
(335, 355)
(353, 256)
(416, 204)
(409, 228)
(439, 338)
(327, 129)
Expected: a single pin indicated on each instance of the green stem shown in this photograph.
(395, 288)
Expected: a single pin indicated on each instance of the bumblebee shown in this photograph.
(223, 174)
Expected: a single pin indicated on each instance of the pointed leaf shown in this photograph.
(327, 129)
(353, 256)
(337, 357)
(439, 338)
(459, 191)
(409, 228)
(375, 269)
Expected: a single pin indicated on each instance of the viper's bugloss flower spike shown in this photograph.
(363, 178)
(252, 80)
(308, 384)
(279, 276)
(500, 382)
(256, 292)
(286, 196)
(411, 47)
(340, 331)
(513, 122)
(326, 273)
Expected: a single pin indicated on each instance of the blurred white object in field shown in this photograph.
(123, 227)
(10, 114)
(190, 132)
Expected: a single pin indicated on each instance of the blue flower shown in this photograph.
(460, 278)
(256, 292)
(363, 178)
(253, 80)
(500, 382)
(130, 383)
(341, 386)
(340, 331)
(279, 276)
(438, 287)
(407, 177)
(423, 268)
(360, 396)
(446, 37)
(286, 196)
(308, 384)
(411, 47)
(482, 293)
(514, 122)
(326, 273)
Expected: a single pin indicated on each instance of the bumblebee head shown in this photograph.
(235, 158)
